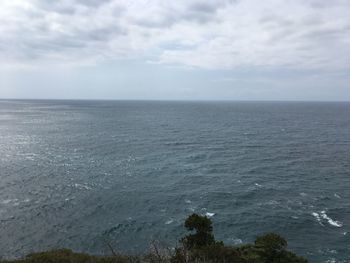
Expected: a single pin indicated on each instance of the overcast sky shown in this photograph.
(183, 49)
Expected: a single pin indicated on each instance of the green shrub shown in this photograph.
(203, 235)
(197, 247)
(201, 247)
(271, 246)
(68, 256)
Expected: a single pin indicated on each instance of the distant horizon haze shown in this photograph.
(174, 100)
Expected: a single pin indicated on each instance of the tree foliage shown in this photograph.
(203, 235)
(201, 246)
(271, 246)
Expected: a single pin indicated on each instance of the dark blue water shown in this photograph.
(78, 174)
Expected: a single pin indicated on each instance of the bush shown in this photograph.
(198, 247)
(201, 247)
(204, 232)
(68, 256)
(270, 246)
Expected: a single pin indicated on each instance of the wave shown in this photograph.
(322, 215)
(318, 218)
(14, 202)
(169, 221)
(330, 220)
(337, 196)
(208, 214)
(81, 186)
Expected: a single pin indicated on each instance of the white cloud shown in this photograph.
(221, 34)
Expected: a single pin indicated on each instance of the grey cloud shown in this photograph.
(198, 16)
(276, 21)
(66, 34)
(92, 3)
(327, 33)
(78, 41)
(327, 4)
(69, 6)
(203, 7)
(202, 11)
(39, 48)
(56, 6)
(208, 34)
(163, 22)
(197, 11)
(100, 34)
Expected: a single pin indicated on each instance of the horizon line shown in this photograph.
(166, 100)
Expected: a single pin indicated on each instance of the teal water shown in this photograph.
(78, 174)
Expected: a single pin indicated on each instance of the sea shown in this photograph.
(87, 175)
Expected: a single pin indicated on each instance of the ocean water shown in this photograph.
(81, 174)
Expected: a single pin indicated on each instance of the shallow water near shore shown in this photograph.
(79, 174)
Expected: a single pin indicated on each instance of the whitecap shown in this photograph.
(169, 221)
(337, 196)
(258, 185)
(330, 220)
(318, 218)
(272, 202)
(303, 194)
(332, 251)
(188, 201)
(8, 201)
(208, 214)
(82, 186)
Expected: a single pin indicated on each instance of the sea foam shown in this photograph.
(208, 214)
(330, 220)
(322, 215)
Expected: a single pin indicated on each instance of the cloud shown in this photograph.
(222, 34)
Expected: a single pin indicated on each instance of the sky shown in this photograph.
(175, 50)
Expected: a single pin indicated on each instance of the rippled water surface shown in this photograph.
(78, 174)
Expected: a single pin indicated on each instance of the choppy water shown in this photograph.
(78, 174)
